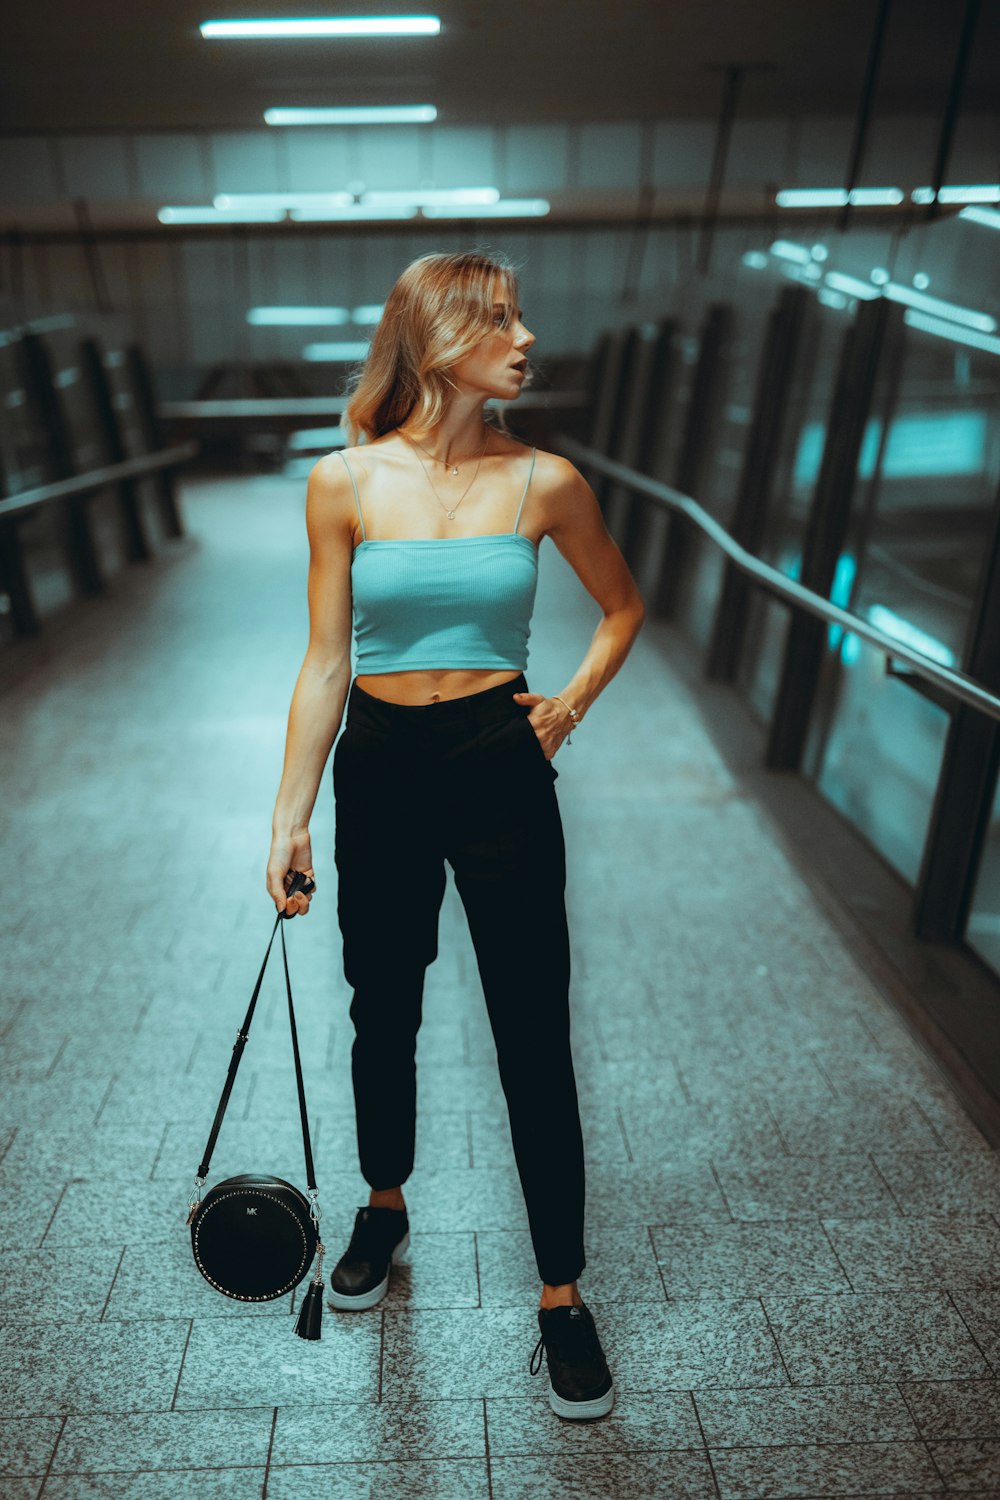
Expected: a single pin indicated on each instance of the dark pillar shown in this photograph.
(827, 525)
(772, 402)
(966, 786)
(95, 373)
(699, 426)
(78, 538)
(144, 396)
(659, 392)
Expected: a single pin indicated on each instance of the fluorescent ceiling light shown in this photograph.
(326, 26)
(837, 197)
(507, 208)
(308, 438)
(349, 349)
(205, 215)
(951, 331)
(986, 216)
(785, 250)
(350, 213)
(755, 259)
(369, 312)
(298, 317)
(902, 630)
(430, 197)
(385, 114)
(964, 315)
(980, 192)
(851, 285)
(831, 299)
(283, 200)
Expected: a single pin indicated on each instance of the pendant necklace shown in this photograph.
(444, 462)
(450, 513)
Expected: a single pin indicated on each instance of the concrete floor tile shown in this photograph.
(621, 1266)
(447, 1354)
(942, 1182)
(828, 1469)
(166, 1440)
(812, 1128)
(638, 1422)
(51, 1284)
(360, 1432)
(260, 1362)
(27, 1444)
(49, 1368)
(682, 1131)
(955, 1251)
(954, 1408)
(101, 1152)
(745, 1260)
(438, 1271)
(444, 1479)
(873, 1336)
(140, 1484)
(804, 1415)
(637, 1476)
(968, 1464)
(798, 1187)
(654, 1193)
(106, 1211)
(980, 1311)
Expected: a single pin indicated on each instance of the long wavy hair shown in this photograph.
(440, 308)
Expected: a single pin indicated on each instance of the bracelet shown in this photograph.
(572, 713)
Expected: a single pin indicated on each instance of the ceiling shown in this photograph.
(108, 66)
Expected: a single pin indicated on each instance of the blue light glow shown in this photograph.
(375, 114)
(756, 260)
(201, 214)
(967, 316)
(981, 192)
(282, 200)
(325, 26)
(787, 250)
(838, 197)
(349, 349)
(507, 208)
(297, 317)
(910, 635)
(952, 331)
(430, 197)
(851, 286)
(921, 445)
(840, 593)
(988, 217)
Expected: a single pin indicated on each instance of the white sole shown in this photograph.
(344, 1303)
(577, 1411)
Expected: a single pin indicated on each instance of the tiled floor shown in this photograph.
(792, 1227)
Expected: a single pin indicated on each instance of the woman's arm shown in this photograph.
(321, 688)
(576, 525)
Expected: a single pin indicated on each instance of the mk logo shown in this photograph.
(251, 1210)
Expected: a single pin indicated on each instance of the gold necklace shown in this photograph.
(449, 513)
(443, 461)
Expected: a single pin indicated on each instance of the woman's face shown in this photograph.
(496, 367)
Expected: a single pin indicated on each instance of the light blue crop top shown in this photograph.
(430, 603)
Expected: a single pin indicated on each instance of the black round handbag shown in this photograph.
(254, 1236)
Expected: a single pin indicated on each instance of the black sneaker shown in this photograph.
(580, 1384)
(360, 1278)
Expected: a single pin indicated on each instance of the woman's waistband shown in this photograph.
(491, 705)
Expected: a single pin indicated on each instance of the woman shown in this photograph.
(430, 531)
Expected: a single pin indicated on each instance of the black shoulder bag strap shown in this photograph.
(238, 1046)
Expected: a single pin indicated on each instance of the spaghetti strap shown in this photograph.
(531, 471)
(357, 497)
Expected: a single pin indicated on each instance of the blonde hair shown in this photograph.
(440, 308)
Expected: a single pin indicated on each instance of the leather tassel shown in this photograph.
(310, 1320)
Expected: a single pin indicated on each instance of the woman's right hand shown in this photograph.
(289, 852)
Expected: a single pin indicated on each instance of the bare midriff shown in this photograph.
(415, 688)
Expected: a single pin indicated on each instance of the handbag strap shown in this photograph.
(241, 1040)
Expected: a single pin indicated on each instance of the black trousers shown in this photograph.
(464, 782)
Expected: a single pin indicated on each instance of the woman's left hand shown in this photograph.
(550, 722)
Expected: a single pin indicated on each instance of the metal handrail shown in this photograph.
(957, 684)
(97, 479)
